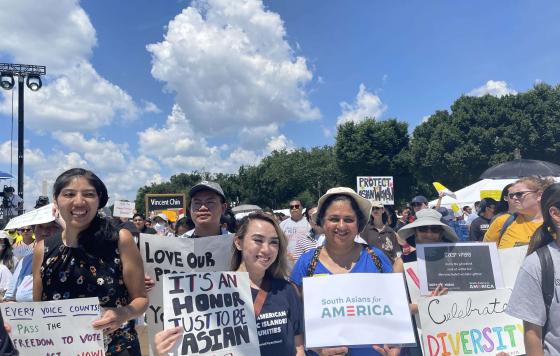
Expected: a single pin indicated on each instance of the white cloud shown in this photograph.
(229, 65)
(496, 88)
(150, 107)
(279, 143)
(60, 36)
(366, 105)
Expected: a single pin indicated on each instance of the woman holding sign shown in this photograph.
(343, 214)
(260, 249)
(535, 297)
(90, 258)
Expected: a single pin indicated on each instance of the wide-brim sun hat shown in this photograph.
(426, 217)
(363, 204)
(5, 235)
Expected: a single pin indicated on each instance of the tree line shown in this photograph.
(452, 146)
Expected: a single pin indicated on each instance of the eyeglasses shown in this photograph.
(296, 206)
(26, 230)
(520, 195)
(434, 229)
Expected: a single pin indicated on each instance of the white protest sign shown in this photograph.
(164, 255)
(470, 323)
(511, 260)
(123, 209)
(471, 266)
(42, 215)
(356, 309)
(215, 310)
(376, 189)
(58, 328)
(413, 286)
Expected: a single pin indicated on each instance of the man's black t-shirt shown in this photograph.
(280, 319)
(479, 226)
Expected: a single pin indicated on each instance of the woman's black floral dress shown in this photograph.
(71, 272)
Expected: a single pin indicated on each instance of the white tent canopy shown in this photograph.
(471, 194)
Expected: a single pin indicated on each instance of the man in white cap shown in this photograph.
(207, 205)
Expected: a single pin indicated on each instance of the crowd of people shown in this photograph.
(83, 254)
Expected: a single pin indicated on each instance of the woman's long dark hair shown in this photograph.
(100, 236)
(7, 256)
(547, 232)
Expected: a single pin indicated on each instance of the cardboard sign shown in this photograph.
(164, 255)
(42, 215)
(356, 309)
(463, 267)
(215, 310)
(376, 189)
(511, 260)
(472, 323)
(59, 328)
(124, 209)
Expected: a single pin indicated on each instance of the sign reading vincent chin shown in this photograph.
(356, 309)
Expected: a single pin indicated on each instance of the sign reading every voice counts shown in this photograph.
(215, 311)
(471, 323)
(55, 328)
(356, 309)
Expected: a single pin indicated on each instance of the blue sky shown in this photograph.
(140, 90)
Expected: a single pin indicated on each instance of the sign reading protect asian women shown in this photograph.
(356, 309)
(165, 255)
(460, 267)
(473, 323)
(379, 189)
(215, 311)
(55, 328)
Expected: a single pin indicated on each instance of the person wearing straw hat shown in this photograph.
(343, 214)
(427, 228)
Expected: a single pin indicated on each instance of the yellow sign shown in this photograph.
(494, 194)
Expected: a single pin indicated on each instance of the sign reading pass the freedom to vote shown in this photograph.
(356, 309)
(59, 328)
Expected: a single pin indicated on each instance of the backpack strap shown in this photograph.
(547, 282)
(375, 259)
(313, 262)
(505, 226)
(261, 296)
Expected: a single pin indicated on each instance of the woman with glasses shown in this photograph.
(524, 196)
(527, 302)
(24, 246)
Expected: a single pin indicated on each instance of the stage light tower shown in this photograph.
(33, 74)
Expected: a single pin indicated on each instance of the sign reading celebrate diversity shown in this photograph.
(356, 309)
(472, 323)
(55, 328)
(179, 255)
(215, 311)
(376, 189)
(459, 267)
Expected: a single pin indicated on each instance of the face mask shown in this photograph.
(160, 228)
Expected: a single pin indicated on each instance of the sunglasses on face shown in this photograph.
(519, 195)
(294, 206)
(26, 230)
(434, 229)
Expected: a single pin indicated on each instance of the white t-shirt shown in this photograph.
(294, 230)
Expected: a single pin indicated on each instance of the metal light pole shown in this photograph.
(33, 74)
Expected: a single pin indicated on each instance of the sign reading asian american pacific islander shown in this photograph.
(473, 323)
(167, 255)
(379, 189)
(215, 311)
(461, 267)
(356, 309)
(58, 328)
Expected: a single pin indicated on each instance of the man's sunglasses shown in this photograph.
(26, 230)
(296, 206)
(434, 229)
(520, 195)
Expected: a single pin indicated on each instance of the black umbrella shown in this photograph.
(521, 168)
